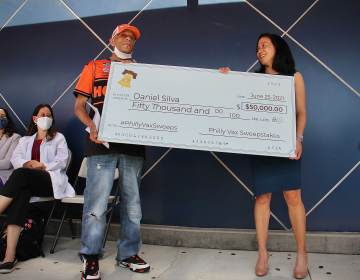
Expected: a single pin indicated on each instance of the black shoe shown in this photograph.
(90, 268)
(135, 264)
(7, 267)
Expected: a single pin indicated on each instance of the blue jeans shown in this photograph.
(99, 182)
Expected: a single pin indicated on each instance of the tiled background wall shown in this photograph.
(41, 62)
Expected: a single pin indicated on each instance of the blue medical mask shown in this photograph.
(3, 122)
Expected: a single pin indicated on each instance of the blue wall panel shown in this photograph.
(191, 188)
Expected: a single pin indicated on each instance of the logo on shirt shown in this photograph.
(106, 67)
(128, 76)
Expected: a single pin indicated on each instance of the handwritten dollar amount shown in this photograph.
(257, 107)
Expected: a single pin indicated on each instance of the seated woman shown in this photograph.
(39, 161)
(8, 142)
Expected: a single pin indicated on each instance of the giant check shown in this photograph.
(199, 109)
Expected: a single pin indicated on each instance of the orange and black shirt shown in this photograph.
(92, 84)
(93, 81)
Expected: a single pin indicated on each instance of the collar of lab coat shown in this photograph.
(42, 151)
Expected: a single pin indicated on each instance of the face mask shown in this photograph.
(44, 123)
(121, 54)
(3, 122)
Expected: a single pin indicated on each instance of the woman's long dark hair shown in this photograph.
(10, 129)
(283, 62)
(32, 126)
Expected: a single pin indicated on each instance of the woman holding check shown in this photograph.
(273, 174)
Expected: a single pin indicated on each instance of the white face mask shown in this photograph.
(44, 123)
(121, 54)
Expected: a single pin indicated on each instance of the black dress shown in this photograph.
(275, 174)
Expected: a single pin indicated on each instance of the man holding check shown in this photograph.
(101, 165)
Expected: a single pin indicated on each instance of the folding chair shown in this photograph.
(79, 200)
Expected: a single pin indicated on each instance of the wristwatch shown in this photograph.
(300, 138)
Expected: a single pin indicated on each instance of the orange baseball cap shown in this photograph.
(122, 27)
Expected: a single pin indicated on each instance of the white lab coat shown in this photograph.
(54, 154)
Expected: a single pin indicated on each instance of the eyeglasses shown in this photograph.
(127, 35)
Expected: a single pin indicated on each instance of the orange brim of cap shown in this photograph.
(122, 27)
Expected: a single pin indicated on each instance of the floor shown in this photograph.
(175, 263)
